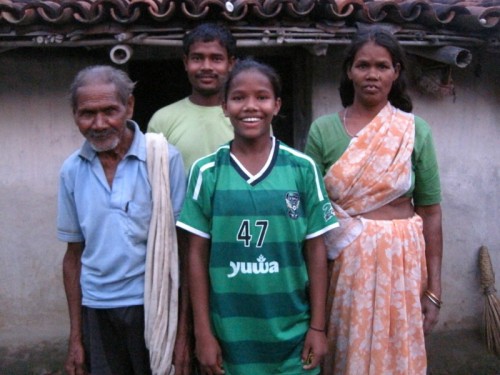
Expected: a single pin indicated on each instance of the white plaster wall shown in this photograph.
(467, 136)
(469, 153)
(36, 134)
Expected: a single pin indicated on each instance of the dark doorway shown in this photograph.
(161, 82)
(158, 83)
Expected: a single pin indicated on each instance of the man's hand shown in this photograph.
(75, 360)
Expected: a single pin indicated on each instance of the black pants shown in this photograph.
(114, 341)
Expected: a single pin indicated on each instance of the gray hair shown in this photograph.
(102, 74)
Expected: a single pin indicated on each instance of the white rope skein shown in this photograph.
(162, 272)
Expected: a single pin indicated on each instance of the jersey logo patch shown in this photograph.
(328, 212)
(254, 268)
(292, 199)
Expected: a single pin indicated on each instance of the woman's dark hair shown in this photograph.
(251, 64)
(209, 32)
(398, 96)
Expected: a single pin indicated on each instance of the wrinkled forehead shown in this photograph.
(97, 92)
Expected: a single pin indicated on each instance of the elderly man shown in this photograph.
(104, 214)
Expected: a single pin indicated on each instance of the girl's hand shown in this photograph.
(314, 349)
(209, 355)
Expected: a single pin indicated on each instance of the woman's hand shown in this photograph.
(431, 314)
(314, 349)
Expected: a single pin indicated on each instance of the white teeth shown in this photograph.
(250, 119)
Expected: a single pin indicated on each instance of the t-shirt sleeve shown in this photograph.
(427, 182)
(320, 215)
(153, 125)
(196, 214)
(161, 120)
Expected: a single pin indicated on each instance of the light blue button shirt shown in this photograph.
(112, 221)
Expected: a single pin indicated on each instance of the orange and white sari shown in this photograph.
(374, 314)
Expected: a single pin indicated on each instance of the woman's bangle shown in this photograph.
(316, 329)
(433, 298)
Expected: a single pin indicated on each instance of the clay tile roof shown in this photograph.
(22, 23)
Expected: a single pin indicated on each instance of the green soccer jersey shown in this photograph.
(258, 224)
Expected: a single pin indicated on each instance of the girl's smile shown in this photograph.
(251, 104)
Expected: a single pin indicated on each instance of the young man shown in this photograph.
(196, 124)
(104, 214)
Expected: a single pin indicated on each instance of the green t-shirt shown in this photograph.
(195, 130)
(328, 140)
(258, 225)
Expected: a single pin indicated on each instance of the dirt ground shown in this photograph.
(449, 353)
(460, 353)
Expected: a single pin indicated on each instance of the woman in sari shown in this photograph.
(381, 175)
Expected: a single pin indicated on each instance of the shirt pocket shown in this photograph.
(138, 220)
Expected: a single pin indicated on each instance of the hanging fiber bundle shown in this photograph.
(491, 304)
(162, 272)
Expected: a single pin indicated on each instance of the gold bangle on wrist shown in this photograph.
(433, 298)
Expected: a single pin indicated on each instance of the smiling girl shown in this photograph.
(256, 211)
